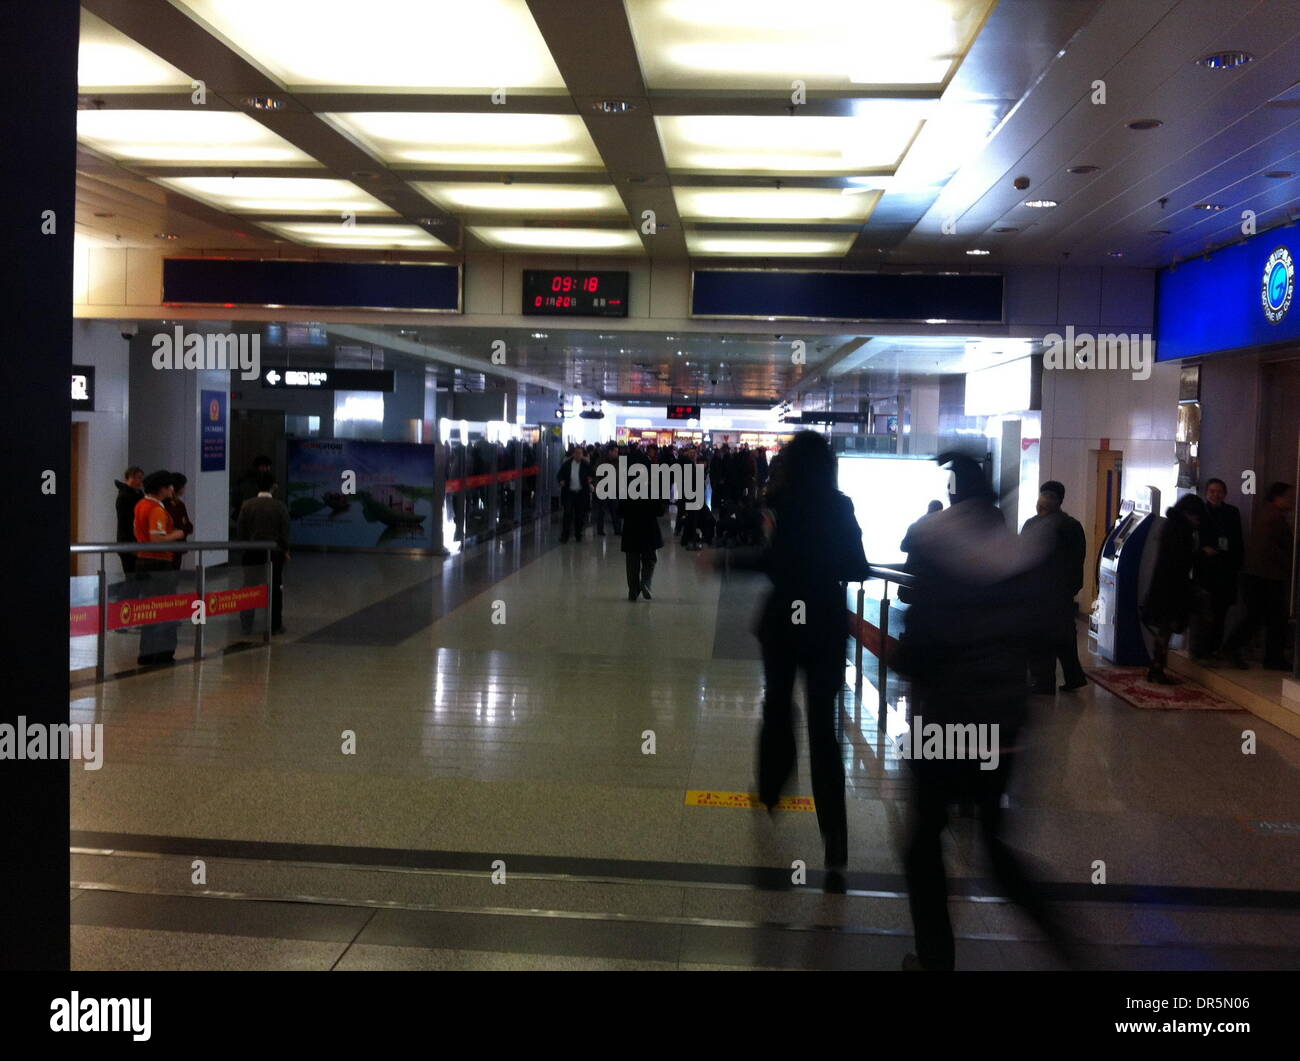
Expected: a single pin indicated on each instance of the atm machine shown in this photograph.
(1126, 562)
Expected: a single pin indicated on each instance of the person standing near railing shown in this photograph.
(153, 568)
(180, 514)
(263, 518)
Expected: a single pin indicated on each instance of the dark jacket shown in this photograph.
(1270, 545)
(127, 497)
(263, 519)
(181, 521)
(641, 533)
(815, 545)
(1220, 530)
(1169, 597)
(585, 476)
(978, 603)
(1064, 568)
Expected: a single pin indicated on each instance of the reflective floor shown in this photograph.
(443, 764)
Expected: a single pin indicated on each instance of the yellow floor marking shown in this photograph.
(744, 800)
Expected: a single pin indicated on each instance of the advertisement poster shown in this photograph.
(386, 501)
(212, 455)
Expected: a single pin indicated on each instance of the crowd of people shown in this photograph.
(151, 511)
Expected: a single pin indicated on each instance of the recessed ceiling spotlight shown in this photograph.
(977, 251)
(1143, 124)
(1006, 228)
(1273, 175)
(165, 235)
(1083, 169)
(1207, 206)
(1041, 204)
(264, 103)
(1114, 254)
(1225, 60)
(613, 106)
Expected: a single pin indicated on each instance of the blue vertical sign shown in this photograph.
(212, 439)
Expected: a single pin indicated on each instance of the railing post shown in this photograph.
(857, 634)
(101, 650)
(270, 597)
(199, 588)
(882, 667)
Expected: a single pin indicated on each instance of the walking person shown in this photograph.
(815, 544)
(264, 518)
(1063, 578)
(1172, 597)
(154, 574)
(575, 480)
(642, 538)
(975, 602)
(1218, 563)
(1266, 580)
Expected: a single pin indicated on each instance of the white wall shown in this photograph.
(104, 453)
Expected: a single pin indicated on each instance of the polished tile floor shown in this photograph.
(443, 766)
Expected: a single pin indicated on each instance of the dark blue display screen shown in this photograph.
(339, 285)
(846, 296)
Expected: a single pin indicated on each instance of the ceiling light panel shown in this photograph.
(566, 239)
(108, 58)
(277, 195)
(192, 135)
(828, 44)
(399, 45)
(473, 141)
(762, 204)
(371, 237)
(875, 138)
(471, 197)
(769, 245)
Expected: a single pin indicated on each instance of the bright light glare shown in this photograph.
(560, 238)
(190, 135)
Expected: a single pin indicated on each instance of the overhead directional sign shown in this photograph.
(280, 377)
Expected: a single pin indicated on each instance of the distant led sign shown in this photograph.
(683, 412)
(83, 387)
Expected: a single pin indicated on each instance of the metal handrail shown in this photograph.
(103, 549)
(882, 573)
(164, 547)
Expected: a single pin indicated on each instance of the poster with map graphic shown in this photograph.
(386, 502)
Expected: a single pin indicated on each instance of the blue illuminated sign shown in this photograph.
(1239, 298)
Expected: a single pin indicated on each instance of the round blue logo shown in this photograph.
(1279, 285)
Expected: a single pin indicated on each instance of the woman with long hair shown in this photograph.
(813, 544)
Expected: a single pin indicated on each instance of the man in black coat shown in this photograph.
(1062, 578)
(129, 494)
(1219, 558)
(575, 493)
(976, 602)
(642, 538)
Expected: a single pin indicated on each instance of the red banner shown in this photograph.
(472, 482)
(83, 620)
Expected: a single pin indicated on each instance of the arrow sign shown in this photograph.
(273, 377)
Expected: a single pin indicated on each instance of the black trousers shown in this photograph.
(1265, 604)
(156, 578)
(640, 569)
(822, 661)
(575, 508)
(937, 784)
(610, 507)
(254, 562)
(1061, 643)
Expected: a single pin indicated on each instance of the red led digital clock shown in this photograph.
(574, 294)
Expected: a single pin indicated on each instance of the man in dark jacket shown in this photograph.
(1218, 563)
(976, 602)
(575, 493)
(263, 518)
(129, 494)
(642, 538)
(1266, 580)
(1063, 578)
